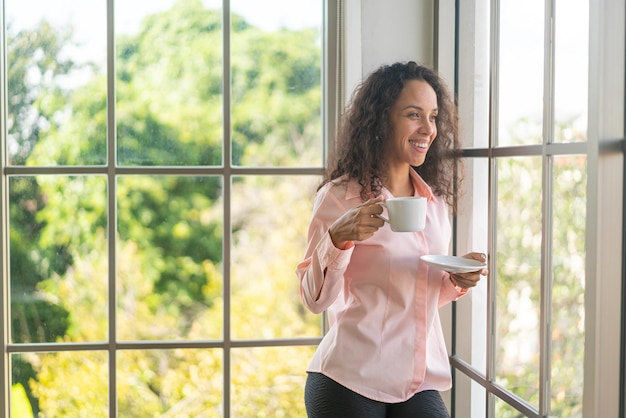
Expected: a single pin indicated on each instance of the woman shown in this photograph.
(384, 354)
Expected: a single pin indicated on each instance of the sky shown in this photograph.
(88, 17)
(521, 42)
(88, 14)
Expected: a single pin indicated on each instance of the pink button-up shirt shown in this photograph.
(385, 339)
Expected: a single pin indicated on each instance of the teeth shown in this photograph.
(423, 145)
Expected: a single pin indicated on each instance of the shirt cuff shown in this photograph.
(453, 291)
(334, 258)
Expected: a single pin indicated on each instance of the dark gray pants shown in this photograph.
(325, 398)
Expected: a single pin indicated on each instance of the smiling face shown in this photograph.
(413, 127)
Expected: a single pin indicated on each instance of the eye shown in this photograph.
(413, 115)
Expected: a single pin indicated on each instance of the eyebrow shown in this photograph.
(418, 108)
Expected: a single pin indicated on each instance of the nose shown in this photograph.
(427, 128)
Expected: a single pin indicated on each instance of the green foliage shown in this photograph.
(75, 387)
(175, 225)
(169, 261)
(23, 371)
(178, 383)
(169, 91)
(276, 97)
(82, 138)
(20, 407)
(276, 377)
(518, 300)
(262, 257)
(36, 64)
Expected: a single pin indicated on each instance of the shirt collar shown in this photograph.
(353, 188)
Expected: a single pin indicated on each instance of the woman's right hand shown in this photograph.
(357, 224)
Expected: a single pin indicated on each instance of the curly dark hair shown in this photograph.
(365, 127)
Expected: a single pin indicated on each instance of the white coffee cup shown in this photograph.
(406, 214)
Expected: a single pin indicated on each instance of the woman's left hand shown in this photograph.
(467, 280)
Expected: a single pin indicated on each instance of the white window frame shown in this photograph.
(604, 376)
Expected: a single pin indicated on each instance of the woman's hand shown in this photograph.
(357, 224)
(467, 280)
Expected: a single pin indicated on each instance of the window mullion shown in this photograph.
(227, 189)
(111, 207)
(493, 200)
(5, 368)
(546, 202)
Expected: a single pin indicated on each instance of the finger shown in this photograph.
(365, 231)
(466, 284)
(476, 256)
(371, 223)
(371, 207)
(466, 280)
(373, 201)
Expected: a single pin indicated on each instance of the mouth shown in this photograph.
(419, 144)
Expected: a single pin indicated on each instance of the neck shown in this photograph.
(399, 183)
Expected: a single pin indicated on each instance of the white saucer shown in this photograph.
(453, 264)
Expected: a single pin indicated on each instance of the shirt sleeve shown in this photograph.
(322, 269)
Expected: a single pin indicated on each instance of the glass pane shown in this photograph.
(504, 410)
(264, 386)
(269, 240)
(65, 384)
(170, 383)
(473, 87)
(169, 268)
(169, 83)
(520, 95)
(571, 70)
(276, 83)
(473, 228)
(58, 253)
(518, 276)
(568, 289)
(56, 65)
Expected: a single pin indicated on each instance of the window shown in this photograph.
(159, 163)
(525, 342)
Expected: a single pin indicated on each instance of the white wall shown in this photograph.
(383, 32)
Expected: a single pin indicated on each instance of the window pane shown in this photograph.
(568, 291)
(270, 215)
(169, 268)
(264, 386)
(64, 384)
(56, 56)
(504, 410)
(169, 83)
(518, 276)
(520, 95)
(170, 383)
(276, 83)
(58, 258)
(571, 70)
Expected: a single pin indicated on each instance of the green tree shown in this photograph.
(35, 65)
(169, 228)
(518, 274)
